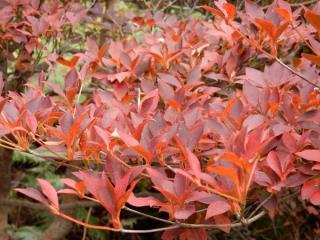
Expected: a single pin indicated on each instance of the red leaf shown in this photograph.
(49, 191)
(195, 75)
(193, 163)
(217, 208)
(133, 143)
(149, 103)
(222, 219)
(34, 194)
(69, 63)
(143, 201)
(170, 79)
(1, 83)
(213, 10)
(315, 198)
(312, 155)
(101, 188)
(274, 163)
(2, 103)
(138, 20)
(253, 9)
(31, 122)
(309, 188)
(103, 134)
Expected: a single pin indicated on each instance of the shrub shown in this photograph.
(210, 115)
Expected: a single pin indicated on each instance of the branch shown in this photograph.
(296, 72)
(295, 4)
(174, 225)
(177, 225)
(38, 206)
(93, 4)
(190, 225)
(148, 216)
(304, 78)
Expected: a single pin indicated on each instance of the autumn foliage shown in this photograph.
(187, 108)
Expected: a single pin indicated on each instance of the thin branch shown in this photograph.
(295, 4)
(260, 205)
(53, 160)
(39, 206)
(93, 4)
(296, 72)
(148, 216)
(178, 225)
(85, 230)
(231, 225)
(61, 214)
(157, 5)
(149, 230)
(115, 22)
(24, 203)
(207, 188)
(168, 5)
(303, 3)
(275, 58)
(190, 225)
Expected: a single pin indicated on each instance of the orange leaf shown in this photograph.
(268, 27)
(229, 107)
(313, 18)
(138, 20)
(102, 51)
(213, 10)
(281, 29)
(133, 143)
(233, 158)
(83, 141)
(71, 93)
(3, 102)
(174, 104)
(313, 58)
(284, 13)
(227, 172)
(69, 63)
(231, 10)
(150, 22)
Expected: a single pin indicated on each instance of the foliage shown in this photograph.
(180, 122)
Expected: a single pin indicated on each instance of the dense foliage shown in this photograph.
(199, 119)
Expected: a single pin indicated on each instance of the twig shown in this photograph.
(93, 4)
(260, 205)
(167, 6)
(157, 5)
(87, 220)
(24, 203)
(207, 188)
(39, 206)
(115, 22)
(295, 4)
(190, 225)
(53, 160)
(148, 216)
(296, 72)
(275, 58)
(178, 225)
